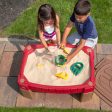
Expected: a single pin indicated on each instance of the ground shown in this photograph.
(10, 61)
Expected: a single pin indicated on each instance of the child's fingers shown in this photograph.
(60, 45)
(66, 62)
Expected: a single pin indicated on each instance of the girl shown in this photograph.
(48, 25)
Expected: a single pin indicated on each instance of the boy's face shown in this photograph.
(81, 18)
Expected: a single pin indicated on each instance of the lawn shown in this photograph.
(3, 109)
(101, 12)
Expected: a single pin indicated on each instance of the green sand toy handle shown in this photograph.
(60, 60)
(76, 68)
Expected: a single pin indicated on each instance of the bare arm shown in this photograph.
(81, 45)
(66, 32)
(42, 38)
(57, 29)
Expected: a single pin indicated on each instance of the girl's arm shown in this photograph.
(66, 32)
(42, 38)
(57, 29)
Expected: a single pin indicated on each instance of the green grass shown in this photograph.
(101, 12)
(3, 109)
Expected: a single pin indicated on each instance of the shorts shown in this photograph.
(75, 39)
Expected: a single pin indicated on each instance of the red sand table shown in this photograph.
(85, 88)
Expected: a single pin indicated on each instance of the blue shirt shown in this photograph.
(86, 29)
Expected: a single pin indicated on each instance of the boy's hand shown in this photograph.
(68, 59)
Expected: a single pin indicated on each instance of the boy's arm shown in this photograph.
(57, 29)
(66, 32)
(80, 46)
(42, 38)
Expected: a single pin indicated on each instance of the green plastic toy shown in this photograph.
(60, 60)
(76, 68)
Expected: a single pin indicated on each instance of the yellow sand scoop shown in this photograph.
(65, 50)
(39, 65)
(62, 75)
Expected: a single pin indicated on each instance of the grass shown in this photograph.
(101, 12)
(3, 109)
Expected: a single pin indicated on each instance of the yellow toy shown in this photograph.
(65, 50)
(62, 75)
(39, 65)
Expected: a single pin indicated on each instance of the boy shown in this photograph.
(86, 31)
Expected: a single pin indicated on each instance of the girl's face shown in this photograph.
(48, 22)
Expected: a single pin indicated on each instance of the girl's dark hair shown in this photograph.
(45, 13)
(82, 7)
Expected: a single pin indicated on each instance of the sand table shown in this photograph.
(41, 69)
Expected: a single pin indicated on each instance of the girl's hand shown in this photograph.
(58, 44)
(46, 48)
(63, 44)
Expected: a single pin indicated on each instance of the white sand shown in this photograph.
(40, 68)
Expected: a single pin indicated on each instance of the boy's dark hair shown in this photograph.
(82, 7)
(45, 13)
